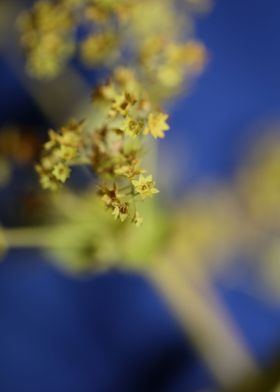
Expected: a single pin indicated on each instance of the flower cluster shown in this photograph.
(60, 152)
(99, 48)
(47, 37)
(128, 105)
(166, 63)
(112, 28)
(118, 144)
(49, 30)
(113, 148)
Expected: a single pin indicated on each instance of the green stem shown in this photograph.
(28, 237)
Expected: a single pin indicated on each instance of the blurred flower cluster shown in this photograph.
(150, 34)
(149, 59)
(112, 148)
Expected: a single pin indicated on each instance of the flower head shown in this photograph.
(157, 124)
(122, 104)
(133, 127)
(145, 186)
(67, 152)
(137, 219)
(109, 196)
(61, 172)
(99, 48)
(121, 211)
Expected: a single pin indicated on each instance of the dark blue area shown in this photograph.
(258, 319)
(240, 86)
(17, 107)
(109, 333)
(114, 333)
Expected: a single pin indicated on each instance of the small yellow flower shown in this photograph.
(128, 171)
(73, 126)
(133, 127)
(145, 186)
(96, 14)
(47, 163)
(106, 92)
(124, 76)
(170, 75)
(157, 124)
(67, 152)
(109, 196)
(194, 55)
(107, 4)
(61, 172)
(46, 180)
(151, 47)
(99, 48)
(120, 211)
(137, 219)
(53, 139)
(47, 37)
(70, 139)
(121, 105)
(48, 183)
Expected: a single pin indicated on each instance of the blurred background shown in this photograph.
(118, 331)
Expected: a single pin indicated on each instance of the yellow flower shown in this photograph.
(99, 48)
(151, 48)
(145, 186)
(70, 139)
(194, 55)
(128, 171)
(133, 127)
(48, 183)
(120, 211)
(157, 124)
(47, 163)
(73, 126)
(46, 180)
(124, 76)
(109, 195)
(61, 172)
(67, 152)
(109, 4)
(170, 75)
(106, 92)
(137, 219)
(47, 37)
(96, 14)
(53, 139)
(121, 105)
